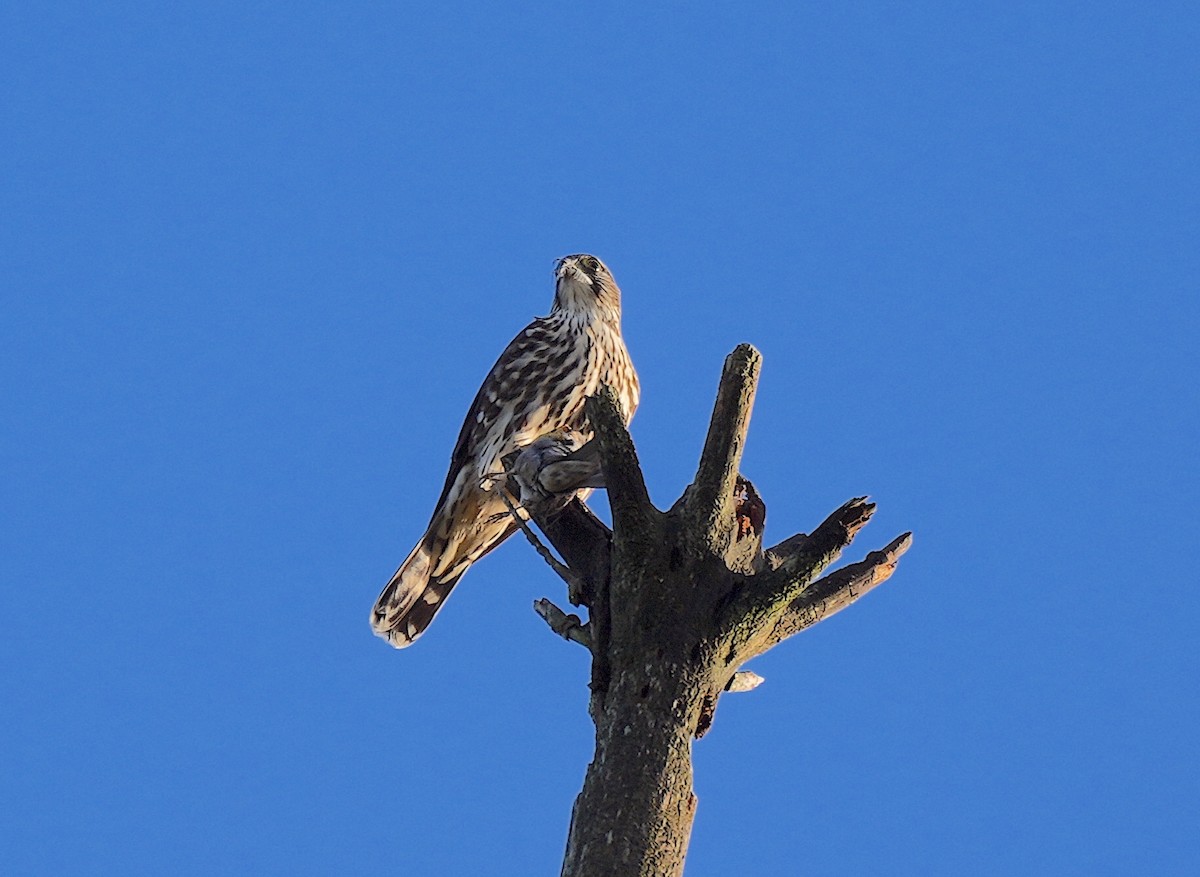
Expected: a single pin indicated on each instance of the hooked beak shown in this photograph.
(564, 268)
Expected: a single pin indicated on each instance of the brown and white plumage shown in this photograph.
(539, 384)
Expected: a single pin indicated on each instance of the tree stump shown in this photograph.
(678, 601)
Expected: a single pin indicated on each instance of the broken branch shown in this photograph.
(569, 627)
(710, 498)
(839, 589)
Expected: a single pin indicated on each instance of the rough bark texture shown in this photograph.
(678, 601)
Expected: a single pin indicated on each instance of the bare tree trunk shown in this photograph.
(679, 601)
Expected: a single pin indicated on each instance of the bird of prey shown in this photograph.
(538, 385)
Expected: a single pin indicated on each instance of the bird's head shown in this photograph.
(585, 285)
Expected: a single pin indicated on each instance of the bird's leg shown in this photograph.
(488, 482)
(574, 585)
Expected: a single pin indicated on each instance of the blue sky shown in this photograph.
(257, 257)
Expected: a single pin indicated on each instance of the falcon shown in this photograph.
(538, 385)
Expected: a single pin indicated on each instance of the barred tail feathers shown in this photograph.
(412, 597)
(472, 525)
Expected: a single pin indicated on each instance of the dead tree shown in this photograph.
(677, 601)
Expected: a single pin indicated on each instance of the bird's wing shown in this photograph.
(489, 400)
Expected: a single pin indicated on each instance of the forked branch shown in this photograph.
(833, 593)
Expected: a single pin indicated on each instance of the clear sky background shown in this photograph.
(255, 259)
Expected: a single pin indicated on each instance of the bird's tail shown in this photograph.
(468, 524)
(414, 595)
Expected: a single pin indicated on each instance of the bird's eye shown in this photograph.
(591, 263)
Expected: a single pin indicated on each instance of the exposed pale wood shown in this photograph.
(569, 627)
